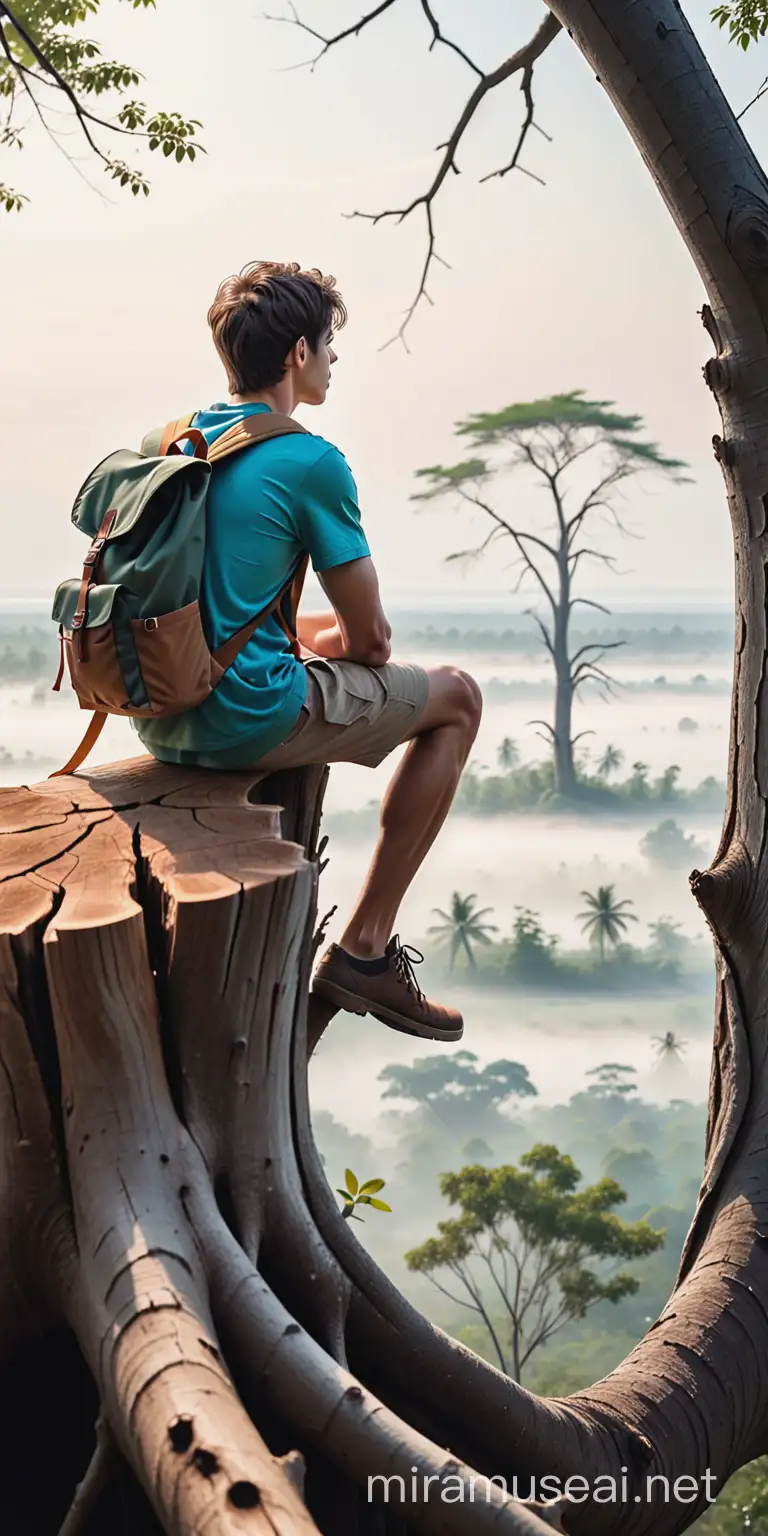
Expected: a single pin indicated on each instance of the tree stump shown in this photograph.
(182, 1307)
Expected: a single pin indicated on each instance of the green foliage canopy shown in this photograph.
(459, 1093)
(549, 1250)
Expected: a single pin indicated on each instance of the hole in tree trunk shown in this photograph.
(244, 1496)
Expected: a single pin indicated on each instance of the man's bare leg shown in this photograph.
(415, 806)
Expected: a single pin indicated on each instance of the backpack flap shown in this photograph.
(127, 481)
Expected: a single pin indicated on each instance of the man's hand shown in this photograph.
(357, 630)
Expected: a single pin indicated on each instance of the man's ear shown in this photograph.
(297, 356)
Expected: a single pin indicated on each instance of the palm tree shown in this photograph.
(669, 1048)
(508, 755)
(605, 920)
(610, 761)
(462, 927)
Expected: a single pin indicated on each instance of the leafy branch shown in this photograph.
(41, 58)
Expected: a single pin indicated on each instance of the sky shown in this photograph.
(582, 282)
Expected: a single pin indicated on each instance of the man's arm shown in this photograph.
(357, 629)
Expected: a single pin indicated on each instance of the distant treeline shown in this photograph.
(675, 641)
(27, 654)
(530, 788)
(498, 690)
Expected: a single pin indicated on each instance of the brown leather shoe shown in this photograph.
(392, 995)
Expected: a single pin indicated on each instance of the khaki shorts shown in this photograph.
(352, 714)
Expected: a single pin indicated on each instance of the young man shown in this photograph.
(344, 701)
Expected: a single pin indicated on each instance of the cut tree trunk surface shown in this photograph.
(173, 1314)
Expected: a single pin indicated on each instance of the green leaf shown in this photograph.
(380, 1205)
(350, 1181)
(371, 1186)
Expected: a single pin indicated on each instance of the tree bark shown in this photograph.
(565, 775)
(155, 940)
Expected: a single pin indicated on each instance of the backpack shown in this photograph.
(131, 627)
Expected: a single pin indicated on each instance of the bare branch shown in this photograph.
(437, 37)
(591, 554)
(517, 537)
(602, 647)
(758, 97)
(526, 86)
(546, 726)
(330, 42)
(515, 533)
(544, 632)
(523, 59)
(588, 602)
(595, 498)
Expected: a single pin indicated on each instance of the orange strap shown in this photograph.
(95, 728)
(173, 430)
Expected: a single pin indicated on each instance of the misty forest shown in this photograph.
(358, 1254)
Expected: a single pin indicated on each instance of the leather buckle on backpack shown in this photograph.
(151, 624)
(78, 621)
(94, 551)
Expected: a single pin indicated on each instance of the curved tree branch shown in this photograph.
(523, 61)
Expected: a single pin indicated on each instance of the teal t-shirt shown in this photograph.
(266, 507)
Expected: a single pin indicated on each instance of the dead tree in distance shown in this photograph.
(553, 440)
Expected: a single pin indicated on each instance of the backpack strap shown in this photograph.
(232, 647)
(157, 442)
(252, 429)
(97, 722)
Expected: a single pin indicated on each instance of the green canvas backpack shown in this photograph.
(131, 627)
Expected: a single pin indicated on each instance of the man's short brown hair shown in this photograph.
(259, 314)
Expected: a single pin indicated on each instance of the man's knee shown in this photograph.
(459, 696)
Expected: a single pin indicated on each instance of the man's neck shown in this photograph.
(279, 399)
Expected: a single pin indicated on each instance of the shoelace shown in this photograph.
(405, 957)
